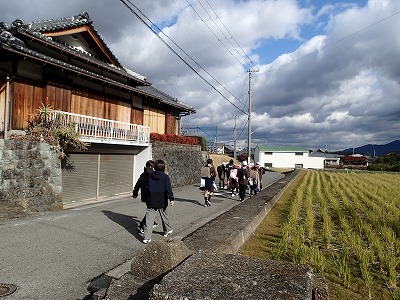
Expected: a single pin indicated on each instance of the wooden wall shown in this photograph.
(171, 124)
(155, 119)
(27, 99)
(2, 104)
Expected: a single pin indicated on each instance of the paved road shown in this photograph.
(55, 255)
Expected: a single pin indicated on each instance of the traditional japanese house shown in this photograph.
(65, 64)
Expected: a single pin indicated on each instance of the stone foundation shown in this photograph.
(30, 176)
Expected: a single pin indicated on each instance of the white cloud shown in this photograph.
(334, 82)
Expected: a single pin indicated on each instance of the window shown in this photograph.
(299, 153)
(268, 165)
(298, 166)
(268, 153)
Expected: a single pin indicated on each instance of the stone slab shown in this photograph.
(208, 275)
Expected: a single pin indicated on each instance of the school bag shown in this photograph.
(205, 172)
(233, 173)
(219, 170)
(253, 174)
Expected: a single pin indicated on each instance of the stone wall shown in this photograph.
(30, 175)
(183, 162)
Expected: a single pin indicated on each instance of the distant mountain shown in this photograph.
(377, 150)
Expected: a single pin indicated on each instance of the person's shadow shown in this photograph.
(130, 223)
(188, 200)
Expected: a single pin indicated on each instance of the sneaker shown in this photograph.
(146, 241)
(233, 195)
(155, 225)
(205, 205)
(140, 229)
(208, 203)
(168, 233)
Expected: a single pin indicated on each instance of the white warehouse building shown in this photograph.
(291, 157)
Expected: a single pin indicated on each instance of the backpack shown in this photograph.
(233, 173)
(240, 174)
(253, 174)
(205, 172)
(219, 170)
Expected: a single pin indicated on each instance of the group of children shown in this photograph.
(236, 178)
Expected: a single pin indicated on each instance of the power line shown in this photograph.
(205, 35)
(180, 57)
(335, 42)
(212, 31)
(219, 19)
(224, 35)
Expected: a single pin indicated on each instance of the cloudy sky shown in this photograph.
(323, 73)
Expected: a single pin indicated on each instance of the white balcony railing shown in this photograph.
(107, 131)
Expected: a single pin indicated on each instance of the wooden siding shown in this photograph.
(155, 119)
(2, 104)
(27, 99)
(170, 124)
(58, 98)
(137, 117)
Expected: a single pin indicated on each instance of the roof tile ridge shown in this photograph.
(80, 19)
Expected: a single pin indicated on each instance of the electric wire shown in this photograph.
(219, 19)
(205, 35)
(333, 43)
(212, 31)
(177, 54)
(224, 35)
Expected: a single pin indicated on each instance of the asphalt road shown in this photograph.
(55, 255)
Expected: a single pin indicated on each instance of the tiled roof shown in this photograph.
(320, 154)
(62, 23)
(37, 29)
(271, 148)
(165, 97)
(353, 158)
(10, 42)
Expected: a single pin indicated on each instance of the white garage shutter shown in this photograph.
(79, 177)
(91, 176)
(116, 174)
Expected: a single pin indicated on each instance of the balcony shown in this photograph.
(97, 130)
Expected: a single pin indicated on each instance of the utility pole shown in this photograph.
(249, 120)
(234, 140)
(216, 138)
(249, 123)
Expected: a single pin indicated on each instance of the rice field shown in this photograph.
(346, 226)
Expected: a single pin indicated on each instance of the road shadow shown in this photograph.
(130, 223)
(188, 200)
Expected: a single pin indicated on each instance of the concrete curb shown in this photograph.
(237, 239)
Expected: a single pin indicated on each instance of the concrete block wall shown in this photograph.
(30, 175)
(183, 162)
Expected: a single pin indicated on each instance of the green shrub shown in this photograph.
(46, 125)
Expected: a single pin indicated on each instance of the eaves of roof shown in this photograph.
(166, 98)
(319, 154)
(353, 158)
(82, 55)
(35, 33)
(19, 48)
(276, 148)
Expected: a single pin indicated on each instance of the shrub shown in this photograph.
(173, 138)
(45, 125)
